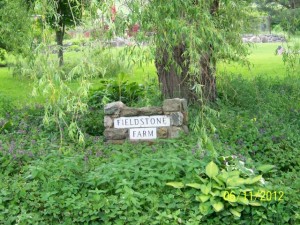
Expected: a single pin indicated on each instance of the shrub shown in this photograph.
(110, 90)
(3, 55)
(116, 90)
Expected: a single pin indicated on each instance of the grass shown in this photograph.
(17, 89)
(263, 62)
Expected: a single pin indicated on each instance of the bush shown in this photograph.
(115, 90)
(3, 55)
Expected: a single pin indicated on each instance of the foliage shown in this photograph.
(6, 106)
(233, 189)
(65, 105)
(2, 54)
(58, 14)
(130, 93)
(15, 24)
(113, 185)
(283, 12)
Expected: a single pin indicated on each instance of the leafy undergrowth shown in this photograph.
(43, 181)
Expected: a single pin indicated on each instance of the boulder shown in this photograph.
(150, 111)
(115, 134)
(113, 108)
(108, 122)
(129, 111)
(174, 132)
(162, 132)
(176, 118)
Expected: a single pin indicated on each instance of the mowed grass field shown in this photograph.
(263, 62)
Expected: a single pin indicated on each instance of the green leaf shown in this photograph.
(253, 180)
(215, 193)
(202, 198)
(211, 169)
(254, 203)
(175, 184)
(242, 200)
(205, 208)
(218, 206)
(233, 173)
(235, 213)
(235, 181)
(206, 188)
(265, 168)
(194, 185)
(218, 181)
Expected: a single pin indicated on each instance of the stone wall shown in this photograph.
(263, 38)
(174, 109)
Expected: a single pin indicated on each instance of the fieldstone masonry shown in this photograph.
(146, 123)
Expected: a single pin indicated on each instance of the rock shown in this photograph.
(115, 134)
(245, 40)
(176, 119)
(184, 104)
(150, 111)
(185, 129)
(162, 132)
(172, 105)
(174, 132)
(264, 39)
(113, 108)
(108, 122)
(185, 117)
(128, 111)
(254, 39)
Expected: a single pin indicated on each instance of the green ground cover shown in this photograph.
(256, 128)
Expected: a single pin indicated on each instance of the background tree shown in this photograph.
(67, 13)
(190, 36)
(59, 14)
(285, 13)
(15, 26)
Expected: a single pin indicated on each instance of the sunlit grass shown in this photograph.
(263, 62)
(16, 88)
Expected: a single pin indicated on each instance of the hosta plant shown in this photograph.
(226, 191)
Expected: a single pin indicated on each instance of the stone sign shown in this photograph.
(142, 121)
(142, 134)
(146, 123)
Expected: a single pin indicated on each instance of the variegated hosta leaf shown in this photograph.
(211, 169)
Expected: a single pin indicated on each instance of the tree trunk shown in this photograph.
(59, 40)
(208, 78)
(176, 83)
(172, 71)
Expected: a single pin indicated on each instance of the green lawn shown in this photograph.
(15, 88)
(262, 59)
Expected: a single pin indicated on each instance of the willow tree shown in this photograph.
(189, 37)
